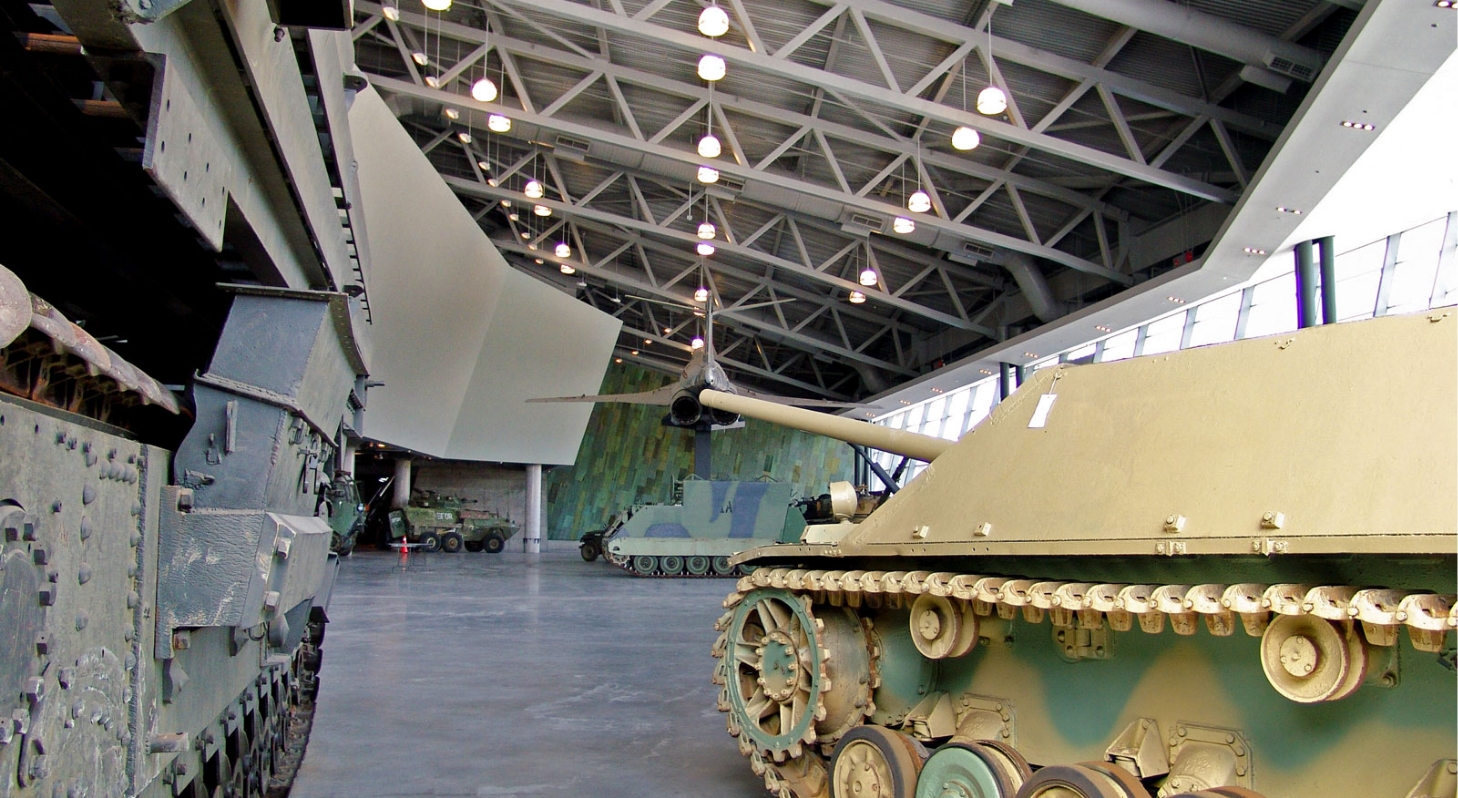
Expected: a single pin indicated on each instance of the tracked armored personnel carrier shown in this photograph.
(1227, 571)
(445, 523)
(696, 537)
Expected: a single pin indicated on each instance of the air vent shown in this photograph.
(572, 149)
(978, 251)
(866, 220)
(730, 183)
(1285, 66)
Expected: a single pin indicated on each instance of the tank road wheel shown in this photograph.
(792, 679)
(451, 542)
(876, 762)
(474, 546)
(697, 564)
(970, 770)
(589, 551)
(644, 564)
(1221, 792)
(671, 564)
(722, 566)
(494, 543)
(430, 541)
(1086, 780)
(941, 629)
(1310, 660)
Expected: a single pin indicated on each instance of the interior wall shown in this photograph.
(628, 457)
(499, 489)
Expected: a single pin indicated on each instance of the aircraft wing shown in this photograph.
(662, 396)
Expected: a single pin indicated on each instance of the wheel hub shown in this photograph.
(779, 667)
(1299, 655)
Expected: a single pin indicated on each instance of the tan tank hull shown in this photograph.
(1227, 568)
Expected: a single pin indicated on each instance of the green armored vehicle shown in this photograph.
(1227, 572)
(696, 537)
(444, 523)
(340, 502)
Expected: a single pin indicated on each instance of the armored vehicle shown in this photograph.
(163, 612)
(444, 523)
(1227, 571)
(340, 502)
(696, 537)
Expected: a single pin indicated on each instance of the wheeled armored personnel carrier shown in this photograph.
(1226, 571)
(696, 537)
(445, 523)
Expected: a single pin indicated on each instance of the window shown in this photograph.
(935, 414)
(1215, 320)
(1085, 351)
(1164, 335)
(1417, 267)
(1272, 307)
(1119, 347)
(957, 413)
(982, 402)
(1358, 274)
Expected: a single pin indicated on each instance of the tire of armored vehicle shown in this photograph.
(1226, 571)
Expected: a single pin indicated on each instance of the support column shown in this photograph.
(401, 496)
(346, 457)
(1305, 286)
(1006, 381)
(532, 534)
(1328, 280)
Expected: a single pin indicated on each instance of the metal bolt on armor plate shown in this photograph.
(88, 494)
(168, 743)
(83, 573)
(86, 528)
(42, 643)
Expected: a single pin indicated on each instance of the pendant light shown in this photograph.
(437, 5)
(857, 298)
(391, 11)
(709, 146)
(697, 342)
(965, 138)
(990, 101)
(562, 250)
(903, 225)
(713, 22)
(712, 67)
(496, 123)
(869, 276)
(705, 249)
(483, 90)
(566, 268)
(701, 294)
(706, 230)
(919, 201)
(534, 189)
(708, 174)
(541, 210)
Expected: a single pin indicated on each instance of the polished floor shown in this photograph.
(519, 675)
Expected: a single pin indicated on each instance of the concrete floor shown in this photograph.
(519, 675)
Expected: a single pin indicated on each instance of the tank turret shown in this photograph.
(1226, 571)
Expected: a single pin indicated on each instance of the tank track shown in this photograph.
(798, 772)
(626, 564)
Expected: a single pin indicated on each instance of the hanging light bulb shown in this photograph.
(701, 294)
(483, 90)
(490, 181)
(708, 174)
(919, 202)
(525, 235)
(541, 210)
(705, 248)
(965, 138)
(497, 123)
(903, 225)
(419, 58)
(436, 5)
(464, 137)
(991, 101)
(562, 250)
(709, 146)
(452, 114)
(857, 298)
(532, 245)
(713, 22)
(706, 230)
(432, 81)
(697, 342)
(534, 189)
(391, 12)
(567, 267)
(514, 216)
(711, 67)
(506, 203)
(868, 276)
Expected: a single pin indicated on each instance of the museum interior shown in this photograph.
(726, 398)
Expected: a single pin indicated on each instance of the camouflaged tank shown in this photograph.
(696, 537)
(1226, 571)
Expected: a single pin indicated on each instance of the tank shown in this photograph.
(164, 611)
(1226, 571)
(446, 523)
(713, 521)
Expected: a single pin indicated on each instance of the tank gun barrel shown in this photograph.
(908, 444)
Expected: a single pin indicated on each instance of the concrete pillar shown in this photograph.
(346, 457)
(1326, 267)
(401, 496)
(532, 534)
(1306, 278)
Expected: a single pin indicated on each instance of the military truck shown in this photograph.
(1226, 572)
(445, 523)
(340, 502)
(712, 521)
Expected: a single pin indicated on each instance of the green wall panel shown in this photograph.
(628, 456)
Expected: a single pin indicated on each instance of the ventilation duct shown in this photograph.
(1034, 286)
(1207, 32)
